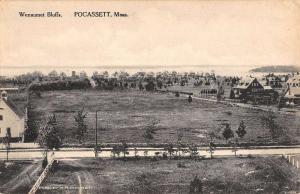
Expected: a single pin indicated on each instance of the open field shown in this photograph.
(18, 176)
(196, 90)
(125, 115)
(231, 175)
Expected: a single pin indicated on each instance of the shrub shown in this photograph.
(180, 165)
(165, 155)
(190, 99)
(150, 86)
(196, 185)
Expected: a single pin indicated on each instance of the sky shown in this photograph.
(157, 33)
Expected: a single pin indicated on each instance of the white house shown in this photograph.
(292, 93)
(294, 82)
(11, 118)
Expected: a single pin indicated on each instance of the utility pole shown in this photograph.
(96, 135)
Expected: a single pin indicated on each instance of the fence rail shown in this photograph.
(37, 184)
(293, 160)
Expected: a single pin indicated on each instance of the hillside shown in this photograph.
(276, 69)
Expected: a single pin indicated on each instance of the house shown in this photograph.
(294, 81)
(275, 81)
(292, 95)
(250, 89)
(292, 92)
(12, 119)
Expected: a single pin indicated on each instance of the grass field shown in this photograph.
(125, 115)
(18, 176)
(231, 175)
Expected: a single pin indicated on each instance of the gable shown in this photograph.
(10, 107)
(256, 84)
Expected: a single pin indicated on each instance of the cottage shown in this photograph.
(292, 95)
(294, 82)
(275, 81)
(12, 119)
(251, 89)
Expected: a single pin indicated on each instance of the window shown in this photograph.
(1, 117)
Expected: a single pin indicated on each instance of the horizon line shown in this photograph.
(133, 66)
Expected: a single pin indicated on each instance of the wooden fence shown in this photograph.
(37, 184)
(293, 160)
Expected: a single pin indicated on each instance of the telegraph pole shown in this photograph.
(96, 136)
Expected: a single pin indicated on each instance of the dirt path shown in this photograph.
(24, 179)
(86, 180)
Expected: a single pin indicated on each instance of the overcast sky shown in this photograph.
(154, 33)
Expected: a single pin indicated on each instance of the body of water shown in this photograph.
(219, 70)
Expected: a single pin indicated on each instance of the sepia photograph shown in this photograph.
(158, 97)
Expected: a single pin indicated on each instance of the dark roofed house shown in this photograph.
(250, 89)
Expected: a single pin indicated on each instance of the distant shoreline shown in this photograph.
(276, 69)
(222, 70)
(130, 66)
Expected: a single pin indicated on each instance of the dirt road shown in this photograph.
(24, 180)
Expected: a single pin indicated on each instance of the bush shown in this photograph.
(190, 99)
(165, 155)
(31, 131)
(180, 165)
(196, 185)
(150, 86)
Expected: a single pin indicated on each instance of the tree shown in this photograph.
(98, 149)
(190, 99)
(211, 148)
(280, 99)
(7, 140)
(53, 73)
(179, 143)
(150, 130)
(227, 133)
(150, 86)
(220, 92)
(124, 149)
(231, 95)
(159, 84)
(196, 185)
(116, 150)
(234, 146)
(241, 132)
(170, 149)
(211, 144)
(269, 121)
(81, 127)
(49, 137)
(193, 150)
(141, 87)
(31, 131)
